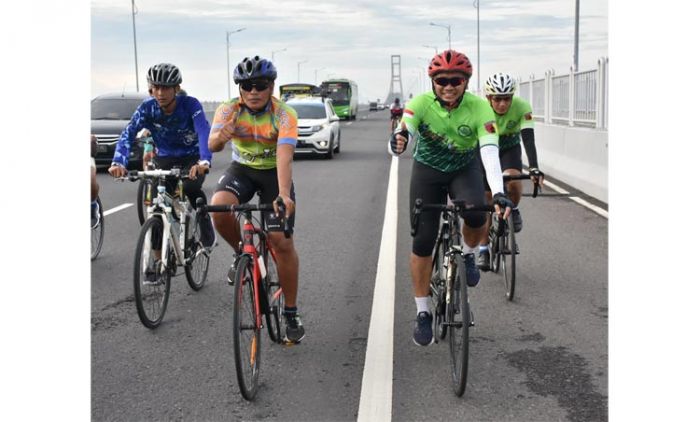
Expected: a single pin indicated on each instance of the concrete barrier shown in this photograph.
(576, 156)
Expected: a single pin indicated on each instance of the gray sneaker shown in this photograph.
(295, 329)
(423, 331)
(517, 221)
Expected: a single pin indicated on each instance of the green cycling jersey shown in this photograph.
(517, 118)
(447, 140)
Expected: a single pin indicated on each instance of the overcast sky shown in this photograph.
(337, 39)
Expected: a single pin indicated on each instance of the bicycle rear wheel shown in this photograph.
(275, 297)
(508, 255)
(151, 282)
(458, 317)
(98, 232)
(196, 256)
(246, 331)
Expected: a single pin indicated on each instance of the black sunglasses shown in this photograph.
(456, 81)
(258, 85)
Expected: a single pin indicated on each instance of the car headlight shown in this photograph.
(319, 128)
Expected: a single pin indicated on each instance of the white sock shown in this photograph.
(422, 304)
(468, 249)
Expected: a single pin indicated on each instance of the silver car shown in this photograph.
(318, 126)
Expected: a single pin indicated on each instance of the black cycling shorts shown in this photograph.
(245, 182)
(433, 186)
(511, 158)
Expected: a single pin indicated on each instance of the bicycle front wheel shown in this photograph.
(196, 256)
(437, 289)
(151, 281)
(246, 331)
(458, 316)
(275, 296)
(508, 254)
(98, 232)
(141, 193)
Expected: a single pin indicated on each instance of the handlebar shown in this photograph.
(455, 207)
(203, 207)
(535, 190)
(134, 175)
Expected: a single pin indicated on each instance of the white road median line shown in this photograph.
(115, 209)
(376, 393)
(590, 206)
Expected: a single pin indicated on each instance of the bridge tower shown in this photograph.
(395, 86)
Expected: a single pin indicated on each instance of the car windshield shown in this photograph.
(310, 111)
(114, 109)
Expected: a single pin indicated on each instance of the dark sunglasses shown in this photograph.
(258, 85)
(457, 81)
(505, 99)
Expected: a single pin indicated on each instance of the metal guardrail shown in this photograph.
(574, 99)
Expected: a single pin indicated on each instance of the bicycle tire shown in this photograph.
(275, 296)
(508, 258)
(493, 246)
(246, 349)
(196, 256)
(141, 207)
(437, 288)
(151, 297)
(458, 317)
(97, 233)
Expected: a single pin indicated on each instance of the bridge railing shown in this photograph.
(574, 99)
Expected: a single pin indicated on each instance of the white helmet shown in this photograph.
(500, 84)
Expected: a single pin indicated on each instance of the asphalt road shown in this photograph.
(542, 357)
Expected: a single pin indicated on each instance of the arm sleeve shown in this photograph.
(201, 126)
(528, 136)
(287, 128)
(121, 151)
(492, 167)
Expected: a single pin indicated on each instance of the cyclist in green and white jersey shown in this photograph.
(514, 121)
(451, 127)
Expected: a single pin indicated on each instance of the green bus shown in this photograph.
(297, 89)
(344, 94)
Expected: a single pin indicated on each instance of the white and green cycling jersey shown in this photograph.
(517, 118)
(447, 140)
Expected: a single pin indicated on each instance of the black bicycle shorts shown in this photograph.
(511, 158)
(245, 182)
(433, 186)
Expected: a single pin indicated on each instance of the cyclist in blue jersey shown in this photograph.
(180, 131)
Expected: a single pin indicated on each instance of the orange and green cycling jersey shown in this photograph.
(517, 118)
(257, 134)
(447, 140)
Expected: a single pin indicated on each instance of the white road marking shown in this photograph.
(115, 209)
(598, 210)
(376, 393)
(348, 123)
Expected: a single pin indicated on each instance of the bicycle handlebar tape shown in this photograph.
(199, 203)
(283, 217)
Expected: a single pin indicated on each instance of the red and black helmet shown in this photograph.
(450, 61)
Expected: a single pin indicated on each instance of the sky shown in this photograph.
(317, 40)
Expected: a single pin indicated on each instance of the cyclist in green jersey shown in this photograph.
(263, 134)
(451, 127)
(514, 120)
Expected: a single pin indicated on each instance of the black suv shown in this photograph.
(110, 114)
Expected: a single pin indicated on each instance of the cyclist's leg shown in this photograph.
(234, 188)
(468, 185)
(512, 164)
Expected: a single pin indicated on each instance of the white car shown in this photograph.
(318, 126)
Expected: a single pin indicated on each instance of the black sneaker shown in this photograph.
(151, 273)
(423, 331)
(517, 220)
(206, 229)
(295, 330)
(94, 214)
(484, 260)
(473, 274)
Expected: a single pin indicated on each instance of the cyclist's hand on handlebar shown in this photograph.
(288, 205)
(117, 171)
(502, 204)
(536, 175)
(399, 140)
(198, 170)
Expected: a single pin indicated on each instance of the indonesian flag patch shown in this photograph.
(490, 127)
(528, 116)
(408, 111)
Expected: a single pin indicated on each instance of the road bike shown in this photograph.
(170, 237)
(448, 285)
(502, 246)
(145, 189)
(257, 292)
(97, 231)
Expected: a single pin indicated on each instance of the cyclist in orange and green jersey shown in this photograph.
(263, 134)
(451, 129)
(514, 121)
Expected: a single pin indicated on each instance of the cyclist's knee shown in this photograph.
(474, 220)
(280, 243)
(224, 198)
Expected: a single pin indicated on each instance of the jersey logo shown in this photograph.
(528, 116)
(465, 131)
(511, 124)
(490, 127)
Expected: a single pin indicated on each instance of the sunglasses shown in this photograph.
(457, 81)
(258, 85)
(505, 99)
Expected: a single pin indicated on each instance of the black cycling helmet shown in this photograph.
(164, 74)
(397, 100)
(255, 68)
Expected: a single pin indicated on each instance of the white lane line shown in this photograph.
(590, 206)
(348, 123)
(115, 209)
(376, 393)
(556, 188)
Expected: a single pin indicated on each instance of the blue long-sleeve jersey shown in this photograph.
(183, 133)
